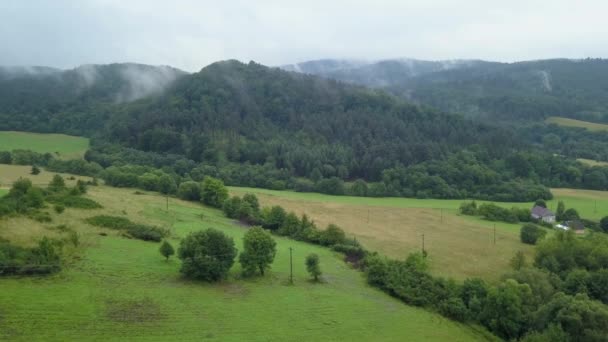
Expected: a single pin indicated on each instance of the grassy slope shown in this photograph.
(577, 123)
(459, 246)
(66, 146)
(121, 289)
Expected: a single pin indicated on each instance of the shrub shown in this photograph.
(138, 231)
(59, 208)
(604, 224)
(312, 266)
(570, 214)
(468, 208)
(332, 235)
(57, 184)
(531, 233)
(72, 201)
(189, 191)
(35, 170)
(207, 255)
(231, 207)
(166, 250)
(213, 192)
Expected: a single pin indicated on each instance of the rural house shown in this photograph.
(542, 213)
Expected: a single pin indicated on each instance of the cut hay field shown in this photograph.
(577, 123)
(60, 145)
(116, 288)
(458, 246)
(10, 173)
(592, 162)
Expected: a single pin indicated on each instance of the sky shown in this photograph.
(190, 34)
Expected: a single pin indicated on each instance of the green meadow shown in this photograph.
(116, 288)
(60, 145)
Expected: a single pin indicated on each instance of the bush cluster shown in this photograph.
(45, 258)
(493, 212)
(136, 230)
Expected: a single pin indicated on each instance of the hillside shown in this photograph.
(252, 125)
(75, 101)
(118, 288)
(522, 90)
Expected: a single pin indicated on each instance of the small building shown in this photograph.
(577, 225)
(542, 213)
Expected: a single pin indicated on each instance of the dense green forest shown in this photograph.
(257, 126)
(508, 91)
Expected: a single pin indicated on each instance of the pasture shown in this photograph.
(577, 123)
(60, 145)
(458, 246)
(116, 288)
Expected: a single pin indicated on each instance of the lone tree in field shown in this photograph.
(166, 249)
(259, 250)
(312, 266)
(35, 170)
(207, 255)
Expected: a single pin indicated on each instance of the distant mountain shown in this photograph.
(12, 72)
(385, 73)
(35, 97)
(530, 90)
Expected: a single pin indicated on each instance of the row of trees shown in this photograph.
(561, 297)
(210, 254)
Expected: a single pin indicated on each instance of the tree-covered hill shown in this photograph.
(521, 91)
(73, 101)
(249, 113)
(253, 125)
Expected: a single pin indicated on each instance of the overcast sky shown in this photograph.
(190, 34)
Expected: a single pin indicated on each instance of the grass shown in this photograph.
(10, 173)
(122, 289)
(60, 145)
(458, 246)
(577, 123)
(591, 162)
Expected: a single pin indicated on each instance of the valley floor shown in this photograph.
(459, 246)
(116, 288)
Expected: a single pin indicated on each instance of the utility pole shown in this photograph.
(495, 233)
(595, 207)
(167, 202)
(290, 266)
(423, 252)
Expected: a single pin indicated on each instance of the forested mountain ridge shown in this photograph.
(73, 101)
(507, 91)
(386, 74)
(252, 125)
(249, 113)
